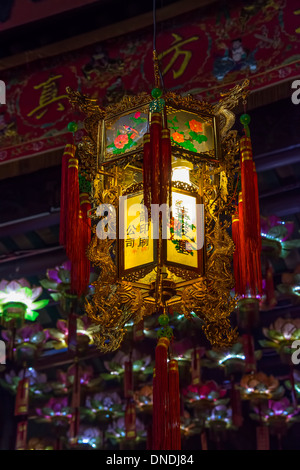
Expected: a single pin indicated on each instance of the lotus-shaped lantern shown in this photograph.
(18, 301)
(259, 386)
(88, 438)
(276, 236)
(220, 418)
(27, 341)
(65, 380)
(142, 366)
(278, 414)
(116, 431)
(281, 334)
(103, 407)
(204, 396)
(56, 411)
(232, 360)
(57, 338)
(39, 388)
(58, 283)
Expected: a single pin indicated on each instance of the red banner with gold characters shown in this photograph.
(202, 52)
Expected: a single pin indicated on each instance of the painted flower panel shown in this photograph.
(125, 134)
(191, 132)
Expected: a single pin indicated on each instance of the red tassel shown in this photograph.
(130, 421)
(128, 380)
(69, 152)
(236, 406)
(236, 254)
(262, 438)
(242, 244)
(160, 395)
(72, 207)
(174, 407)
(166, 168)
(155, 142)
(196, 366)
(259, 248)
(251, 219)
(147, 172)
(80, 268)
(248, 189)
(248, 348)
(21, 440)
(22, 397)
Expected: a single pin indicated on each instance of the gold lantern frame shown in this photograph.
(122, 297)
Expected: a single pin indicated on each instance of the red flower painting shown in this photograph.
(196, 126)
(178, 137)
(121, 140)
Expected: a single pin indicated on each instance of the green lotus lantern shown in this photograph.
(18, 302)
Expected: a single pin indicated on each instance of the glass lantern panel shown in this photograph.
(125, 134)
(191, 132)
(138, 246)
(187, 231)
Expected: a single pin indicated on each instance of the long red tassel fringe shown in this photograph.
(174, 406)
(73, 207)
(160, 395)
(80, 267)
(147, 172)
(251, 218)
(166, 168)
(155, 142)
(242, 244)
(237, 253)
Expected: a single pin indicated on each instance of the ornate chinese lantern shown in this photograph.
(163, 171)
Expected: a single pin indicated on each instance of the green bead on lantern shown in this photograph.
(72, 126)
(163, 319)
(245, 119)
(156, 93)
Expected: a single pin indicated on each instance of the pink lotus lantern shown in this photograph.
(57, 338)
(27, 341)
(56, 411)
(205, 396)
(280, 336)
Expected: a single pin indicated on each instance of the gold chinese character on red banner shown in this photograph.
(176, 50)
(49, 94)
